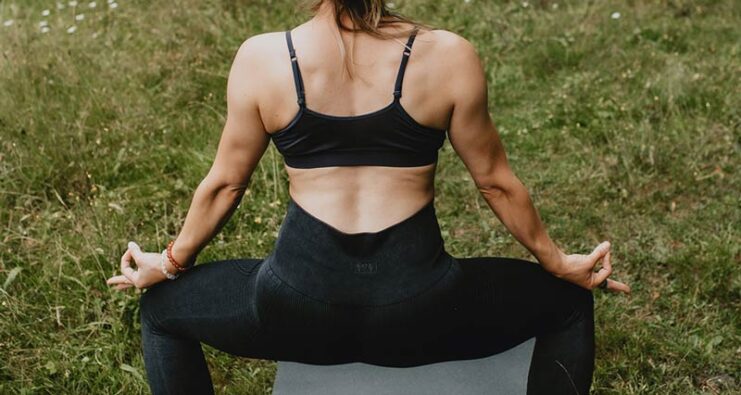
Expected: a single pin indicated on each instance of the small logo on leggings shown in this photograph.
(366, 267)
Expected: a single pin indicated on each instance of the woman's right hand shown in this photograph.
(579, 269)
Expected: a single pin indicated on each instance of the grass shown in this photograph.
(624, 129)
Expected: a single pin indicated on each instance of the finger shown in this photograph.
(117, 280)
(598, 277)
(126, 262)
(136, 251)
(124, 286)
(599, 252)
(126, 268)
(605, 271)
(617, 286)
(607, 263)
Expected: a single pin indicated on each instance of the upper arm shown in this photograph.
(243, 139)
(471, 131)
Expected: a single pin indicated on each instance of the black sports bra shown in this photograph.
(385, 137)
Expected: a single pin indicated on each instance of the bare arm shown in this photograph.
(243, 142)
(475, 139)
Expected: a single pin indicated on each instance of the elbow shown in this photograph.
(226, 187)
(492, 192)
(505, 184)
(236, 188)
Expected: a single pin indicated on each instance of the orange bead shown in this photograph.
(172, 259)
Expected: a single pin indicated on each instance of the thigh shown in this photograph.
(213, 303)
(505, 301)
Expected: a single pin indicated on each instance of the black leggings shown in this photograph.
(390, 298)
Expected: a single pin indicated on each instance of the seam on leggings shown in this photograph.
(283, 282)
(567, 375)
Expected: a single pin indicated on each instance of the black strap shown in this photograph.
(403, 66)
(298, 81)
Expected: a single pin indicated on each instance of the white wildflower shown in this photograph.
(466, 1)
(113, 5)
(79, 17)
(525, 4)
(71, 29)
(7, 23)
(45, 13)
(111, 1)
(60, 6)
(72, 3)
(91, 4)
(43, 23)
(615, 15)
(45, 29)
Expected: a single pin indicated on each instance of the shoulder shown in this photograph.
(446, 43)
(456, 58)
(254, 65)
(446, 39)
(466, 59)
(260, 55)
(451, 54)
(258, 49)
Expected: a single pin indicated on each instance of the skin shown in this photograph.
(439, 90)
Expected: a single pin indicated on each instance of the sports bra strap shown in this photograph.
(298, 81)
(403, 66)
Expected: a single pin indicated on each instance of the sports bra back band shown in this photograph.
(385, 137)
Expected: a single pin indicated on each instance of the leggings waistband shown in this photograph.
(360, 269)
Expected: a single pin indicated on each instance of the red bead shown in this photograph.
(172, 260)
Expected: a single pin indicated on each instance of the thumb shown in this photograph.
(136, 251)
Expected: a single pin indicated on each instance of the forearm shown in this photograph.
(211, 207)
(514, 208)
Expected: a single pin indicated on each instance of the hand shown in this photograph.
(579, 269)
(148, 271)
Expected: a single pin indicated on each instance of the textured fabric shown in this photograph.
(390, 298)
(386, 137)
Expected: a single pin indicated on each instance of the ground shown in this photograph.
(621, 117)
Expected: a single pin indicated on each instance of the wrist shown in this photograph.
(170, 267)
(557, 263)
(550, 256)
(183, 257)
(169, 272)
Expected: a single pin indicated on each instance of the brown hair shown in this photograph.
(367, 16)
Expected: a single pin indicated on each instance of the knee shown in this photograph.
(579, 302)
(578, 296)
(583, 300)
(148, 309)
(586, 298)
(583, 304)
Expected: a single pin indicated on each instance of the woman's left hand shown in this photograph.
(148, 271)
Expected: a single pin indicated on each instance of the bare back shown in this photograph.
(356, 199)
(444, 89)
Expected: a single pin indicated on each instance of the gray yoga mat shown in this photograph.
(504, 373)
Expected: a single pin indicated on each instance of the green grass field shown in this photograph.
(621, 117)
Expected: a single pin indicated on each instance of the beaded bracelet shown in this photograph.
(169, 275)
(172, 260)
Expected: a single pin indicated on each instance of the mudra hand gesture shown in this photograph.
(148, 269)
(579, 269)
